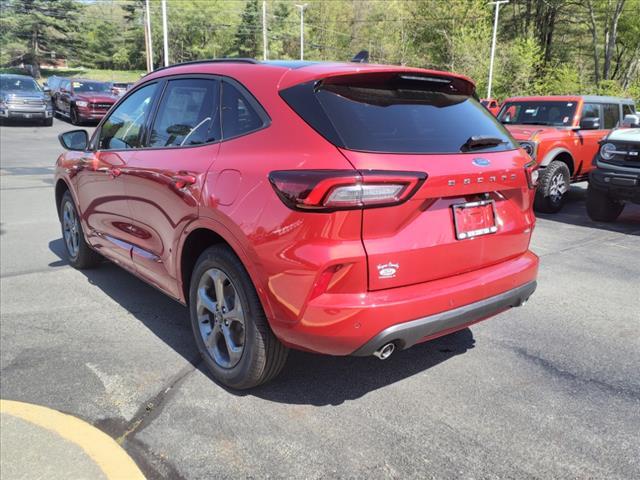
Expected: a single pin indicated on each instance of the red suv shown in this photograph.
(345, 209)
(83, 100)
(562, 133)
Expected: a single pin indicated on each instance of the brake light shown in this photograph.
(330, 190)
(533, 173)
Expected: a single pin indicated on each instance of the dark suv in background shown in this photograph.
(616, 178)
(82, 100)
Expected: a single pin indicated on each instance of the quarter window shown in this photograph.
(611, 115)
(627, 110)
(188, 114)
(238, 116)
(122, 129)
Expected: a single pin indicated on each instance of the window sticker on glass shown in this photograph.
(77, 84)
(531, 111)
(565, 119)
(570, 104)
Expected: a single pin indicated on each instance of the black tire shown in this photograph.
(73, 116)
(262, 356)
(601, 207)
(83, 257)
(548, 197)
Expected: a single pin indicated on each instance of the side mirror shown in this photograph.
(631, 121)
(590, 123)
(76, 140)
(46, 89)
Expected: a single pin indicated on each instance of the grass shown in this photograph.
(92, 74)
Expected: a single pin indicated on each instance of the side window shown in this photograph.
(122, 129)
(238, 115)
(590, 110)
(627, 110)
(188, 114)
(611, 115)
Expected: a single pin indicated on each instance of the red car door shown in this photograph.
(164, 180)
(100, 180)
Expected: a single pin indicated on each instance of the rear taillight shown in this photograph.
(330, 190)
(533, 172)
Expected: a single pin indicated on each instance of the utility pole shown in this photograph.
(148, 41)
(264, 30)
(301, 7)
(164, 33)
(493, 42)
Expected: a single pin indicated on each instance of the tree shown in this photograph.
(35, 29)
(247, 40)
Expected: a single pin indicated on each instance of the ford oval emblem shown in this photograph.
(481, 162)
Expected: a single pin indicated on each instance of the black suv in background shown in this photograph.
(616, 178)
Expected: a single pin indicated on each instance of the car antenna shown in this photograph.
(361, 57)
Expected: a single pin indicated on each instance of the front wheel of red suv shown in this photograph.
(229, 324)
(553, 186)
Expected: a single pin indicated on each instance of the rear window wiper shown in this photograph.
(480, 141)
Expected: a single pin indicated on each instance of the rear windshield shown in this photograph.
(552, 113)
(397, 114)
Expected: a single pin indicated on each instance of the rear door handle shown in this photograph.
(183, 179)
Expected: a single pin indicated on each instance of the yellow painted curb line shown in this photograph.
(100, 447)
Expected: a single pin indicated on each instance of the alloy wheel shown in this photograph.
(71, 229)
(220, 318)
(557, 187)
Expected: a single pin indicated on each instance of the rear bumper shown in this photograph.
(407, 334)
(359, 323)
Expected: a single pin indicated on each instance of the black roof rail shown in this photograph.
(211, 60)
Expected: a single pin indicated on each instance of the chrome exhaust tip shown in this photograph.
(385, 351)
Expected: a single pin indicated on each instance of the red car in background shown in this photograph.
(562, 133)
(335, 208)
(491, 104)
(82, 100)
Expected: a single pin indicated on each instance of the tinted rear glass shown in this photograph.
(396, 113)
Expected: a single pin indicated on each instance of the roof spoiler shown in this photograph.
(361, 57)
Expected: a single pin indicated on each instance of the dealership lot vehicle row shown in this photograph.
(551, 389)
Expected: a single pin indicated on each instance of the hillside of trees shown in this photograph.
(544, 46)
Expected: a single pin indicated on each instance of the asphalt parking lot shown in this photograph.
(549, 390)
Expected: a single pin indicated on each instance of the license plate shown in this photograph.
(474, 219)
(27, 115)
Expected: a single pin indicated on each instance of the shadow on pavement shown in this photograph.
(13, 123)
(324, 380)
(306, 379)
(574, 212)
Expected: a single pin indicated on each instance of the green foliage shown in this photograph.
(247, 40)
(543, 46)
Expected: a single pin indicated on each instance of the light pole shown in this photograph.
(493, 42)
(264, 30)
(164, 33)
(147, 37)
(301, 7)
